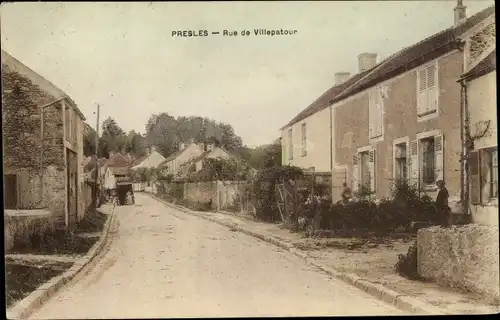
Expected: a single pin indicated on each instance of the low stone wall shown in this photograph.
(20, 225)
(465, 257)
(201, 192)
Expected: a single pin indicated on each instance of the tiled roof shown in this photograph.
(139, 160)
(173, 156)
(323, 101)
(118, 160)
(200, 157)
(488, 64)
(417, 54)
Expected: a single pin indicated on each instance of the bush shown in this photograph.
(407, 264)
(405, 206)
(264, 190)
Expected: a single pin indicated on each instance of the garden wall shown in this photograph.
(463, 257)
(201, 192)
(19, 225)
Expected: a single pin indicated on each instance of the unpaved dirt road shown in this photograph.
(167, 263)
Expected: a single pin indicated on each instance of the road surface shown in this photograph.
(167, 263)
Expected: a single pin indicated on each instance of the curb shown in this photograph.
(24, 308)
(401, 301)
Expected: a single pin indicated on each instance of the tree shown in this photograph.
(136, 144)
(113, 137)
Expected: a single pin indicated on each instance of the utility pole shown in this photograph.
(96, 200)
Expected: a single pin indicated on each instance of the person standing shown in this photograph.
(443, 210)
(346, 193)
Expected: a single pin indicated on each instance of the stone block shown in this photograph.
(465, 257)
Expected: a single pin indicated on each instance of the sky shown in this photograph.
(124, 57)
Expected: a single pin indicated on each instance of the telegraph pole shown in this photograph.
(96, 200)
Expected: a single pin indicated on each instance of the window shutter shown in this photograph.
(414, 162)
(475, 177)
(355, 173)
(380, 113)
(371, 113)
(432, 93)
(371, 168)
(422, 91)
(439, 156)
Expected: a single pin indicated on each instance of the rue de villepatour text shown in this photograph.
(233, 33)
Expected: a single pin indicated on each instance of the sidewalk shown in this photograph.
(372, 261)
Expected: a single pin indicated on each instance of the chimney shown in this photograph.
(367, 61)
(341, 77)
(153, 149)
(210, 147)
(148, 151)
(111, 154)
(181, 146)
(460, 12)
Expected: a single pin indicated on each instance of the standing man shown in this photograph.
(443, 210)
(346, 193)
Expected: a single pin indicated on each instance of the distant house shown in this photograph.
(152, 159)
(116, 170)
(211, 152)
(42, 131)
(185, 153)
(480, 87)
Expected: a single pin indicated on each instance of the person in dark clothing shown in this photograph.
(346, 192)
(443, 210)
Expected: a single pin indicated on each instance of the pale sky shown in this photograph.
(123, 55)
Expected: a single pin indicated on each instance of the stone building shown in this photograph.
(43, 147)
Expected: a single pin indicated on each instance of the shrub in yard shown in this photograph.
(407, 264)
(264, 190)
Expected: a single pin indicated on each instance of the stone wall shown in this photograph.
(19, 226)
(464, 257)
(201, 192)
(21, 132)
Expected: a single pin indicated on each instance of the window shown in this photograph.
(376, 114)
(483, 169)
(364, 169)
(427, 160)
(290, 145)
(427, 93)
(304, 139)
(401, 163)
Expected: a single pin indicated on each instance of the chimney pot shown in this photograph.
(367, 61)
(341, 77)
(460, 12)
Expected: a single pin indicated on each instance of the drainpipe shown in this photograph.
(465, 148)
(42, 108)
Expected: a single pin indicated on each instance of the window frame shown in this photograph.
(398, 142)
(428, 113)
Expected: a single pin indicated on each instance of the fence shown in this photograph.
(232, 196)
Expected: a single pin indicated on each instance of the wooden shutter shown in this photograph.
(380, 113)
(414, 162)
(371, 115)
(474, 177)
(422, 91)
(432, 93)
(439, 157)
(355, 172)
(372, 169)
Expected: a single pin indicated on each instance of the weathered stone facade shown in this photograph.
(481, 41)
(21, 123)
(33, 154)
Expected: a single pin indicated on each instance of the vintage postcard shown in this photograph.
(249, 159)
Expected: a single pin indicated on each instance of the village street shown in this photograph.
(166, 263)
